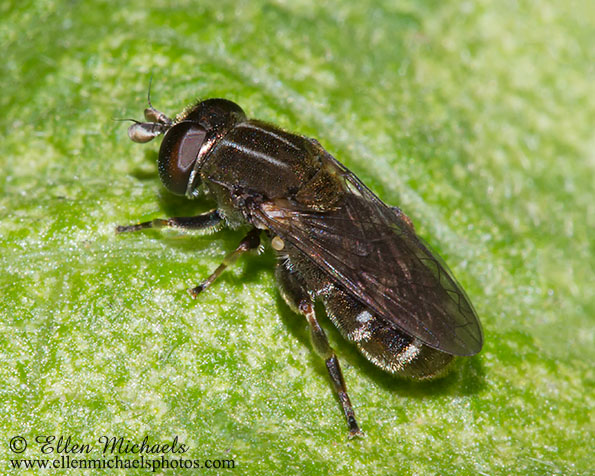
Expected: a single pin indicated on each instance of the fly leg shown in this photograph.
(250, 242)
(322, 347)
(206, 221)
(299, 300)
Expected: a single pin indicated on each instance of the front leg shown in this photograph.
(297, 297)
(208, 221)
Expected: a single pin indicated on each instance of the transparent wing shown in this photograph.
(369, 249)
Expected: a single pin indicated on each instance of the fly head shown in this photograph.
(187, 139)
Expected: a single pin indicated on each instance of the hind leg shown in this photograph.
(297, 298)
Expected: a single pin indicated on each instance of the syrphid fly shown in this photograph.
(335, 241)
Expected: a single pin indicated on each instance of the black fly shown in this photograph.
(335, 241)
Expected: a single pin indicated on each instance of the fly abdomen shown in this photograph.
(382, 343)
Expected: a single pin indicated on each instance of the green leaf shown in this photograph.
(476, 118)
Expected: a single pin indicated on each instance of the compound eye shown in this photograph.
(178, 153)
